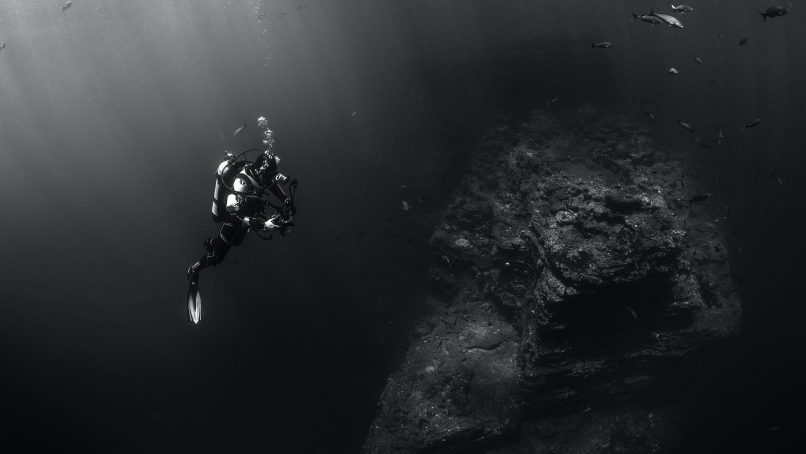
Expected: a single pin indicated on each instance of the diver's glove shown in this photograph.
(272, 224)
(252, 223)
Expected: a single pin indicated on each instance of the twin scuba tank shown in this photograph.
(224, 179)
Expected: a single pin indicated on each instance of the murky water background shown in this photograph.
(114, 115)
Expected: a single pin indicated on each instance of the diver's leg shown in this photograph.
(217, 248)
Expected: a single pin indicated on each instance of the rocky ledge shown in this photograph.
(577, 275)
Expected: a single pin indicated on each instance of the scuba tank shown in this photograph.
(224, 178)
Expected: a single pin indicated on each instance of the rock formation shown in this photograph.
(574, 274)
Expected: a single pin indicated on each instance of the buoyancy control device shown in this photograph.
(224, 179)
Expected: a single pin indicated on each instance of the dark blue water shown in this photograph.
(114, 115)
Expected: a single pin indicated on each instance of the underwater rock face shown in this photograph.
(570, 274)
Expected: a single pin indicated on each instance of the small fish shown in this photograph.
(686, 126)
(772, 11)
(602, 45)
(551, 101)
(67, 6)
(355, 112)
(669, 20)
(673, 70)
(720, 137)
(752, 124)
(2, 46)
(632, 312)
(702, 197)
(239, 130)
(682, 9)
(743, 41)
(648, 18)
(650, 115)
(697, 59)
(405, 205)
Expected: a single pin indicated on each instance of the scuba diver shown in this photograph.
(240, 204)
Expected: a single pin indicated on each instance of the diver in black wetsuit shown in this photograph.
(240, 203)
(245, 210)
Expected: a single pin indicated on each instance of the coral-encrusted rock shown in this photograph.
(569, 273)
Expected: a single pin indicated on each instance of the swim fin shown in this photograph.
(194, 303)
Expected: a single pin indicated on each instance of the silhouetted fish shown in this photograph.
(602, 45)
(672, 70)
(648, 18)
(772, 11)
(743, 41)
(752, 124)
(697, 59)
(668, 20)
(67, 6)
(682, 9)
(239, 130)
(686, 126)
(650, 115)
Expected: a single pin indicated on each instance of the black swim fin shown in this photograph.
(194, 302)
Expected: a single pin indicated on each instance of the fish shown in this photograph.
(239, 130)
(602, 45)
(673, 70)
(552, 101)
(702, 197)
(682, 9)
(405, 205)
(650, 115)
(67, 6)
(355, 112)
(632, 312)
(668, 20)
(752, 124)
(720, 137)
(686, 126)
(648, 18)
(772, 11)
(2, 46)
(743, 41)
(697, 59)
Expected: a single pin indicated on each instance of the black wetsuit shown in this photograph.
(233, 230)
